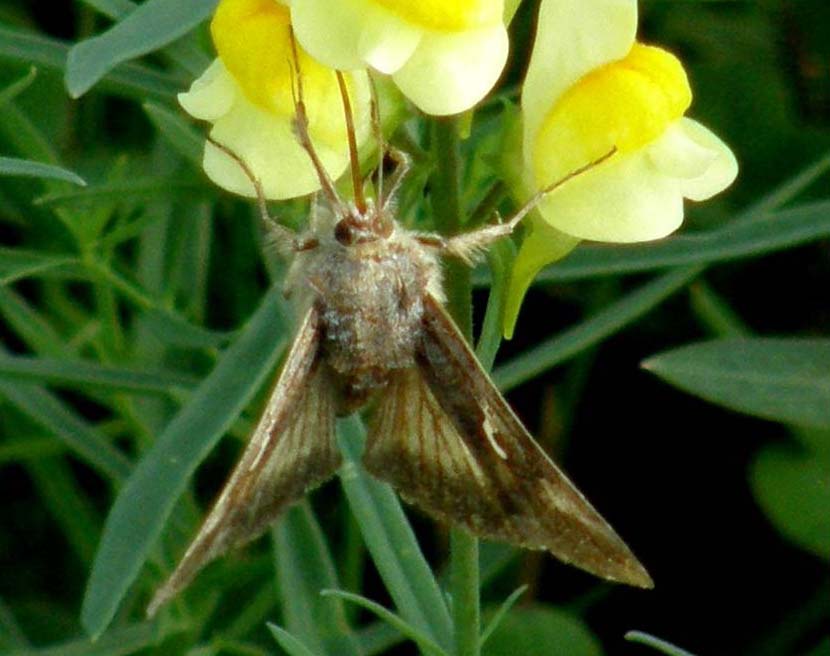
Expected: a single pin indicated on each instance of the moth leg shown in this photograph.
(281, 236)
(470, 247)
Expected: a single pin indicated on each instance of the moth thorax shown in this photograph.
(371, 309)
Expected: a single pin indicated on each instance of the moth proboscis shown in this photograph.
(374, 328)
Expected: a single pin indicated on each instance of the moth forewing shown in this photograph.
(292, 450)
(447, 440)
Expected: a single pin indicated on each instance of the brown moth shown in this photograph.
(374, 328)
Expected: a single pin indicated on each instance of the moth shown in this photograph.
(373, 329)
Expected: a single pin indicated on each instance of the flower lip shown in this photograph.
(447, 15)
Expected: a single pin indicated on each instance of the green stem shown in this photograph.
(446, 205)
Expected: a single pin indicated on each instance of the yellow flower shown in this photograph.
(247, 94)
(444, 55)
(590, 89)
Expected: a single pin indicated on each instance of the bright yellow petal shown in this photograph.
(625, 104)
(447, 15)
(449, 73)
(573, 37)
(541, 246)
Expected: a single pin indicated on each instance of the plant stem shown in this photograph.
(446, 204)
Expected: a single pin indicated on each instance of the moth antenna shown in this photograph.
(280, 233)
(541, 193)
(354, 161)
(404, 163)
(301, 129)
(377, 132)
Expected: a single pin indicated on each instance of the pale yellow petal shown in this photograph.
(573, 37)
(211, 94)
(449, 73)
(386, 42)
(626, 199)
(330, 30)
(268, 146)
(722, 168)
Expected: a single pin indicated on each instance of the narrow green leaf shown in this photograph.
(604, 323)
(17, 87)
(418, 637)
(131, 80)
(114, 9)
(54, 416)
(68, 504)
(498, 616)
(145, 188)
(741, 238)
(175, 330)
(78, 373)
(13, 166)
(118, 642)
(16, 263)
(304, 568)
(793, 489)
(391, 541)
(785, 380)
(150, 26)
(141, 509)
(658, 644)
(185, 139)
(288, 642)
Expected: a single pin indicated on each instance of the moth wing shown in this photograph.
(447, 440)
(292, 450)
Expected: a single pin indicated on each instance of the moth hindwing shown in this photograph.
(374, 329)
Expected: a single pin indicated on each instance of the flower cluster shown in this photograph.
(592, 93)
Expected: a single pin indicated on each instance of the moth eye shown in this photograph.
(343, 234)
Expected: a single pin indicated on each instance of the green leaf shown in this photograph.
(740, 238)
(152, 25)
(422, 640)
(658, 644)
(304, 569)
(785, 380)
(541, 631)
(118, 642)
(129, 80)
(794, 491)
(16, 263)
(26, 168)
(391, 541)
(78, 373)
(18, 86)
(185, 139)
(141, 509)
(54, 416)
(144, 188)
(500, 613)
(604, 323)
(288, 642)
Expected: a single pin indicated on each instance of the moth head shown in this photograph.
(361, 225)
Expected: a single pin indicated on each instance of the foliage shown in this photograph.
(138, 329)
